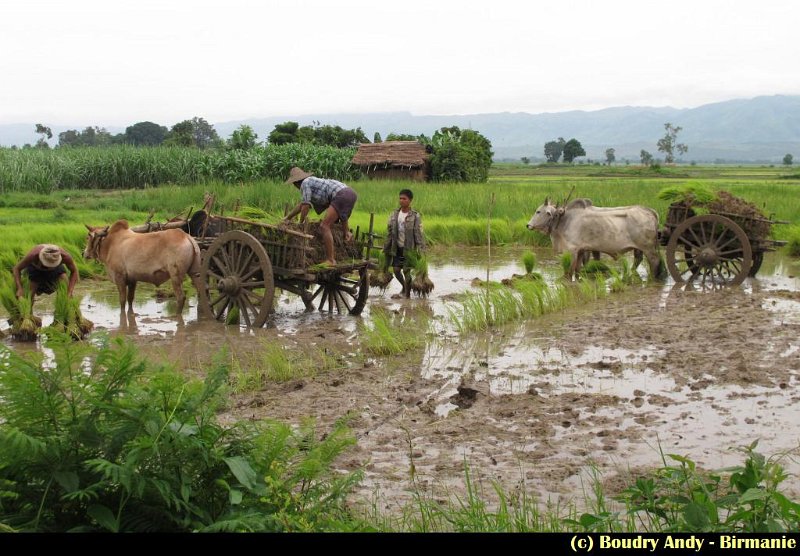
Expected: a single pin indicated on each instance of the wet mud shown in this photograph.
(608, 385)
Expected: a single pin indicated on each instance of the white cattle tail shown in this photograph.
(154, 257)
(580, 227)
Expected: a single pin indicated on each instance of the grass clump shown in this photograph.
(529, 261)
(421, 284)
(793, 239)
(272, 362)
(67, 316)
(381, 276)
(24, 324)
(101, 440)
(385, 335)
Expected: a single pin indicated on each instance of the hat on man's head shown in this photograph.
(50, 255)
(297, 174)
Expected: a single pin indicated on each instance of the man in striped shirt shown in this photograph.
(331, 196)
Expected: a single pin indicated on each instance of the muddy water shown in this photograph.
(694, 373)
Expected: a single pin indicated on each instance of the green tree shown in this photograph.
(669, 143)
(610, 156)
(45, 132)
(196, 132)
(408, 137)
(205, 135)
(554, 149)
(336, 136)
(145, 133)
(284, 133)
(572, 150)
(181, 134)
(377, 138)
(788, 159)
(89, 137)
(243, 138)
(525, 160)
(646, 158)
(458, 155)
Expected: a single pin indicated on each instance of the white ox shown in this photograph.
(580, 228)
(154, 257)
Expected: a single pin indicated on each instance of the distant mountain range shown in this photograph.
(761, 129)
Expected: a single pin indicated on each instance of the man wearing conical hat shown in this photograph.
(45, 265)
(333, 197)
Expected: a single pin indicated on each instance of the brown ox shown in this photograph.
(154, 257)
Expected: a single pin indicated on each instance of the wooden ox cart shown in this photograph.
(715, 249)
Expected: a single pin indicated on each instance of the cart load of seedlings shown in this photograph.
(304, 253)
(749, 217)
(24, 324)
(67, 315)
(696, 196)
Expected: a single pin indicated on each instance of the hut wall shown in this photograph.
(414, 174)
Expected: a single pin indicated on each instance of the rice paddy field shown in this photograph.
(509, 399)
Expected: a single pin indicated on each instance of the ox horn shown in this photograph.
(88, 227)
(547, 200)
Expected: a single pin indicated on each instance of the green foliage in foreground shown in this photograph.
(675, 498)
(100, 440)
(679, 497)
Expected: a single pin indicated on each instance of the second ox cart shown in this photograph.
(719, 248)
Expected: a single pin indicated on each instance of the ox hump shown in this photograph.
(119, 225)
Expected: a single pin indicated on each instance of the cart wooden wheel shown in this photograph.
(710, 249)
(237, 274)
(342, 292)
(758, 259)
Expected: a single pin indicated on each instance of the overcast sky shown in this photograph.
(117, 62)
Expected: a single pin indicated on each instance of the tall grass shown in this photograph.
(125, 167)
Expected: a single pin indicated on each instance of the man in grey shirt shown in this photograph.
(331, 196)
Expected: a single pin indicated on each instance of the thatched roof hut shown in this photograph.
(394, 160)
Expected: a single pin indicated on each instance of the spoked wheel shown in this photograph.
(342, 292)
(709, 250)
(237, 274)
(758, 259)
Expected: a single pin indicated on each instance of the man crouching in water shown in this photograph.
(45, 265)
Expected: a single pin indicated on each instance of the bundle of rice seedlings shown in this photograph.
(566, 262)
(690, 193)
(84, 325)
(252, 213)
(529, 261)
(595, 268)
(381, 277)
(24, 325)
(67, 316)
(421, 284)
